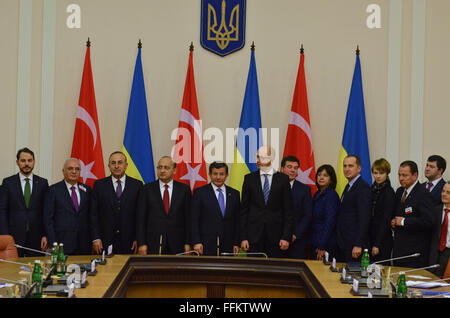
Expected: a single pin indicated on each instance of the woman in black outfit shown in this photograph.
(383, 210)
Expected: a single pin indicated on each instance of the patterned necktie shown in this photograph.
(119, 189)
(266, 188)
(405, 194)
(429, 186)
(27, 192)
(444, 230)
(166, 199)
(221, 201)
(74, 198)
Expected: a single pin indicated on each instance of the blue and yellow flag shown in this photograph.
(354, 141)
(137, 145)
(249, 138)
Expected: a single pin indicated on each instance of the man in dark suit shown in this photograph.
(113, 208)
(354, 214)
(413, 220)
(21, 205)
(162, 215)
(440, 239)
(434, 170)
(66, 211)
(301, 207)
(215, 213)
(266, 208)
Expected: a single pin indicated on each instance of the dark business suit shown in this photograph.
(383, 211)
(63, 223)
(265, 225)
(436, 192)
(15, 218)
(415, 235)
(436, 256)
(153, 222)
(302, 213)
(323, 225)
(354, 219)
(208, 223)
(113, 219)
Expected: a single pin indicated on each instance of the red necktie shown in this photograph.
(166, 199)
(429, 186)
(444, 231)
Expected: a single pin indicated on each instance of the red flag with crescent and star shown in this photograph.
(188, 150)
(299, 138)
(86, 145)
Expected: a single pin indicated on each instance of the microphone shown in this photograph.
(396, 258)
(30, 249)
(255, 253)
(417, 269)
(190, 252)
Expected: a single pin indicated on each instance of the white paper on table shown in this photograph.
(355, 285)
(419, 284)
(110, 249)
(344, 274)
(6, 285)
(93, 266)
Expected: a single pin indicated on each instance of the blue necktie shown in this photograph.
(221, 201)
(266, 188)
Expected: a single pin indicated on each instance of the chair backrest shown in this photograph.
(7, 248)
(447, 270)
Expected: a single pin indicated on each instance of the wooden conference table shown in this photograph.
(154, 276)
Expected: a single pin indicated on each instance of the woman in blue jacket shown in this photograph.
(325, 209)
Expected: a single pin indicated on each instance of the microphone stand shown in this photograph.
(255, 253)
(33, 250)
(190, 252)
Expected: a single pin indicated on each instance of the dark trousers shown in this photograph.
(264, 245)
(345, 256)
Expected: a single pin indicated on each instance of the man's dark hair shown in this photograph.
(26, 150)
(117, 153)
(330, 171)
(218, 165)
(412, 166)
(289, 158)
(358, 159)
(441, 163)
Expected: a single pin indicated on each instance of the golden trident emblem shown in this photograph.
(223, 35)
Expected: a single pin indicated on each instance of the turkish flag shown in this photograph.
(188, 150)
(298, 139)
(86, 145)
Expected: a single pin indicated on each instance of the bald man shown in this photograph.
(266, 208)
(66, 212)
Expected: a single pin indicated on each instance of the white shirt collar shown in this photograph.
(435, 181)
(215, 187)
(22, 177)
(292, 183)
(162, 184)
(270, 172)
(69, 186)
(114, 180)
(411, 187)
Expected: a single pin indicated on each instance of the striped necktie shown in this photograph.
(266, 188)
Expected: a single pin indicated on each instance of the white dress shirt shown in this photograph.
(224, 191)
(115, 182)
(442, 221)
(77, 191)
(170, 189)
(23, 182)
(269, 176)
(435, 182)
(408, 191)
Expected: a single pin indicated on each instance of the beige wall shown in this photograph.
(329, 30)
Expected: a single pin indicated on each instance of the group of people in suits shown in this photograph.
(276, 215)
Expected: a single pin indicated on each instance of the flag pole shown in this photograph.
(139, 44)
(88, 43)
(302, 50)
(191, 47)
(253, 46)
(357, 50)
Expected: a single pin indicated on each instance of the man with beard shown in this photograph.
(21, 207)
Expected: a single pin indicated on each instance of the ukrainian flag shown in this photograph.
(354, 141)
(137, 145)
(249, 137)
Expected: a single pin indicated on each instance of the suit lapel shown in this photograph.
(18, 189)
(213, 198)
(66, 196)
(36, 185)
(174, 198)
(259, 189)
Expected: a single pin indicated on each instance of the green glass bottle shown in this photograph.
(55, 258)
(365, 262)
(402, 290)
(36, 277)
(61, 267)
